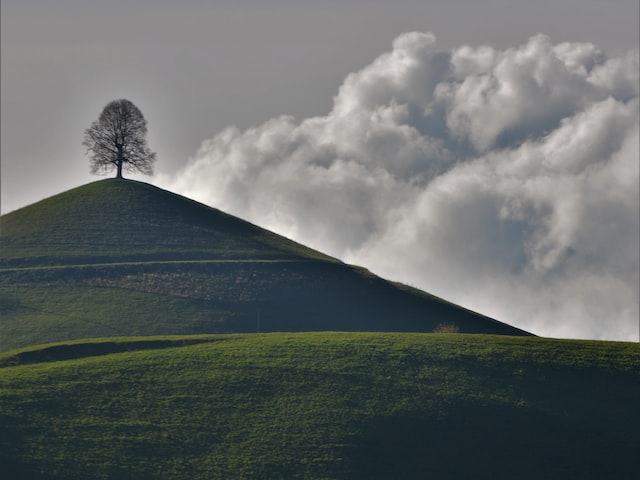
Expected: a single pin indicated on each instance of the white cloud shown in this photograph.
(505, 180)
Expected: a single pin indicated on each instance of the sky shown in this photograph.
(484, 151)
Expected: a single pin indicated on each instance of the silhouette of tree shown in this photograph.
(117, 140)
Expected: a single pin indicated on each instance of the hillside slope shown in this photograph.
(119, 257)
(322, 406)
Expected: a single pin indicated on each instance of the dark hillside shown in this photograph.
(119, 257)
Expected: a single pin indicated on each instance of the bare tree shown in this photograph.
(117, 140)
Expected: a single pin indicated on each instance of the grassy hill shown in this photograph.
(321, 406)
(116, 220)
(131, 262)
(120, 257)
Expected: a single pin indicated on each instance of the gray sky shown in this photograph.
(196, 67)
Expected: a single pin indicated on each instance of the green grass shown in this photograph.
(57, 313)
(321, 406)
(125, 221)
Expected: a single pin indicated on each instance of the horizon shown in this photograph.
(141, 181)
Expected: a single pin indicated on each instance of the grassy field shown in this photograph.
(128, 261)
(321, 406)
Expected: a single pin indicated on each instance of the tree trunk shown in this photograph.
(119, 174)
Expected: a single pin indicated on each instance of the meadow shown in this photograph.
(322, 405)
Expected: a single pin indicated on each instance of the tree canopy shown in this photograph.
(117, 140)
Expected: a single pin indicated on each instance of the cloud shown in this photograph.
(504, 180)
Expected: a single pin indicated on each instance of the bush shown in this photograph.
(446, 328)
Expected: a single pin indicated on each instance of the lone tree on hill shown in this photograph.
(117, 140)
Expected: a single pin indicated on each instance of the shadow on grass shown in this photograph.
(14, 470)
(56, 353)
(491, 442)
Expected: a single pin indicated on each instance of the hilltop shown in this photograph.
(321, 406)
(117, 220)
(120, 257)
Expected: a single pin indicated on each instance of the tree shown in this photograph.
(117, 140)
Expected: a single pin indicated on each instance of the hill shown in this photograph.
(321, 406)
(117, 221)
(120, 257)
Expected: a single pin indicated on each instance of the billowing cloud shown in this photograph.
(504, 180)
